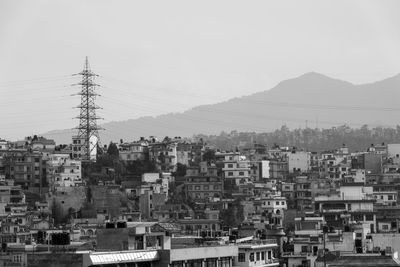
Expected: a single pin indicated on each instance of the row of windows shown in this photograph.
(255, 256)
(390, 197)
(212, 262)
(231, 173)
(276, 203)
(354, 217)
(205, 195)
(204, 187)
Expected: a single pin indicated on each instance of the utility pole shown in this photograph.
(324, 232)
(87, 140)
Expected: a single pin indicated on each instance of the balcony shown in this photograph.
(253, 244)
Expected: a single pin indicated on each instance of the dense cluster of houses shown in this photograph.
(254, 206)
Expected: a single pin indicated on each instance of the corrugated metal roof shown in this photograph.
(123, 257)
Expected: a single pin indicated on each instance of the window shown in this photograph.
(197, 187)
(269, 254)
(263, 255)
(242, 257)
(385, 227)
(283, 203)
(277, 202)
(205, 187)
(211, 262)
(390, 197)
(223, 262)
(251, 256)
(17, 258)
(194, 263)
(257, 256)
(241, 173)
(230, 173)
(304, 249)
(230, 165)
(369, 217)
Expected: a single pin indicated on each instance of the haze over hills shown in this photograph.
(312, 99)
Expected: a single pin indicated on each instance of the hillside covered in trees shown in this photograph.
(356, 139)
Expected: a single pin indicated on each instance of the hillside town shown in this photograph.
(181, 202)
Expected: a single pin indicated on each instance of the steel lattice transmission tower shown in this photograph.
(85, 144)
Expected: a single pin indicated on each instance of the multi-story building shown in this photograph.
(257, 253)
(303, 193)
(79, 147)
(11, 194)
(278, 169)
(353, 203)
(26, 168)
(42, 144)
(150, 201)
(310, 240)
(299, 161)
(385, 194)
(274, 207)
(387, 218)
(164, 154)
(62, 171)
(134, 151)
(202, 183)
(260, 171)
(236, 168)
(371, 162)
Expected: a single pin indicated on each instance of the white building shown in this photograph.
(257, 253)
(236, 167)
(62, 171)
(299, 161)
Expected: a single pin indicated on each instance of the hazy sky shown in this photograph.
(155, 57)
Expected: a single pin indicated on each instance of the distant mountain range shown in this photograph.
(312, 100)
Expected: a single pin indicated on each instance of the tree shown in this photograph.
(233, 216)
(113, 150)
(180, 170)
(209, 155)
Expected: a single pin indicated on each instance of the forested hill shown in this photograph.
(311, 99)
(356, 139)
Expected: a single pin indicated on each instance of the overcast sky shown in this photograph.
(156, 57)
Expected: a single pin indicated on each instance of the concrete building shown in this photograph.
(134, 151)
(25, 167)
(393, 150)
(202, 183)
(299, 161)
(236, 168)
(164, 154)
(278, 169)
(353, 203)
(257, 253)
(274, 207)
(79, 149)
(62, 171)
